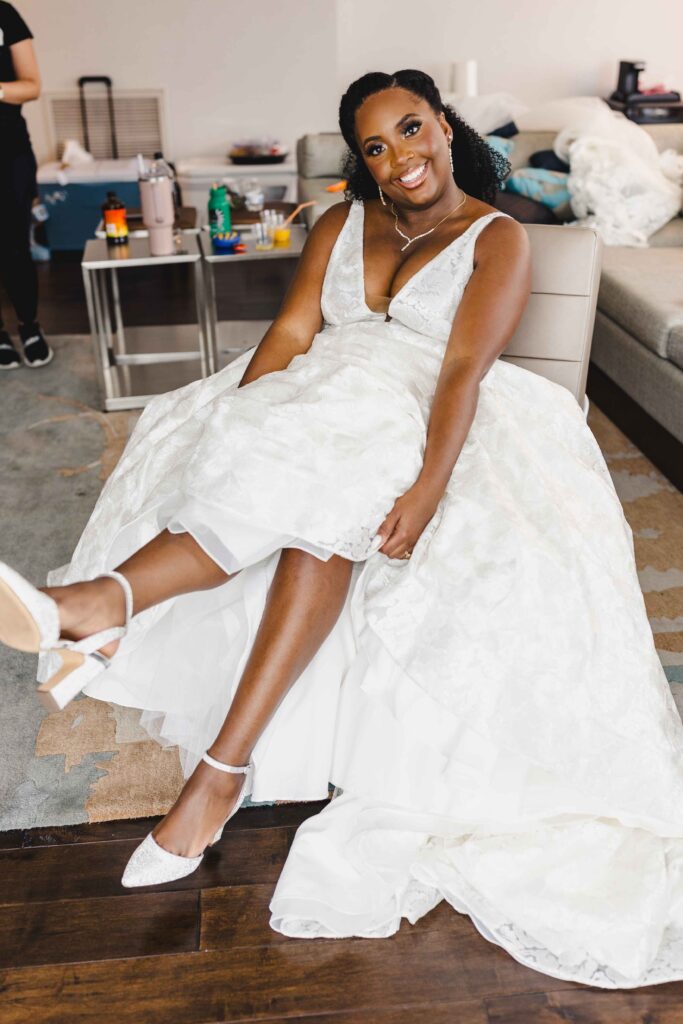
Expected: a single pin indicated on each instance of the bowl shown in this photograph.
(225, 241)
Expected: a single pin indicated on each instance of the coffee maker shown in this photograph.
(643, 107)
(627, 85)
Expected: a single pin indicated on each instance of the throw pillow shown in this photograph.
(547, 187)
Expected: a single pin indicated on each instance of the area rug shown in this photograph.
(92, 762)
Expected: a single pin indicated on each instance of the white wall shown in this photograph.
(228, 67)
(278, 67)
(535, 49)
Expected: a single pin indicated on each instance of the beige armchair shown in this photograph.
(554, 335)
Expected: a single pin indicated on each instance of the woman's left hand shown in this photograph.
(401, 529)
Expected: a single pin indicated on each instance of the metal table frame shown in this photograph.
(100, 267)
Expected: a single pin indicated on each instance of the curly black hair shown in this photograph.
(478, 169)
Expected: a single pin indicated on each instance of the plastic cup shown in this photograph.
(263, 238)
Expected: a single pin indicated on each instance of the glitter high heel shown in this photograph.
(151, 864)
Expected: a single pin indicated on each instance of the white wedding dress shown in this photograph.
(492, 711)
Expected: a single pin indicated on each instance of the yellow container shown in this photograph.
(281, 236)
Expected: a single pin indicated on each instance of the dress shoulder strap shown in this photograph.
(481, 222)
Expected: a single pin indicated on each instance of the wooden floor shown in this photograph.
(75, 946)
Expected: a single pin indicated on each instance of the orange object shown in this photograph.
(115, 221)
(338, 186)
(281, 235)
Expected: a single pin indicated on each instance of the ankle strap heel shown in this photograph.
(231, 768)
(127, 591)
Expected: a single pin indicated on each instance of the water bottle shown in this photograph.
(220, 216)
(158, 207)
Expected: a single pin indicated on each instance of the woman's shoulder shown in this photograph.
(498, 233)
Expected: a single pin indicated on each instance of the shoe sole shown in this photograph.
(18, 628)
(12, 366)
(37, 363)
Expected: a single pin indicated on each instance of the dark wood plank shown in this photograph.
(266, 816)
(471, 1011)
(67, 835)
(12, 840)
(278, 982)
(70, 931)
(239, 916)
(89, 870)
(657, 1004)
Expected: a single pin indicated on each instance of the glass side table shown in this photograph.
(135, 364)
(292, 250)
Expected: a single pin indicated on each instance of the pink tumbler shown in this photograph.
(158, 209)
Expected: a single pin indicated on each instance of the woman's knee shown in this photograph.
(335, 570)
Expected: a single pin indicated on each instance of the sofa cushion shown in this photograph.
(640, 289)
(670, 234)
(321, 155)
(527, 143)
(676, 346)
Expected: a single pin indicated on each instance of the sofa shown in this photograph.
(637, 343)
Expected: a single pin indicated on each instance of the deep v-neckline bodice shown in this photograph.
(430, 262)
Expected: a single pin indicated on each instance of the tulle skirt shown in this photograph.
(492, 710)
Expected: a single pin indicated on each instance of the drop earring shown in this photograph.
(450, 156)
(381, 195)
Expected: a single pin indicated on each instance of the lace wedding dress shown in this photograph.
(492, 711)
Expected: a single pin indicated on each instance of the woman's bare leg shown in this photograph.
(169, 565)
(304, 601)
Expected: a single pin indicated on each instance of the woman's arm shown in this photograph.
(300, 316)
(27, 85)
(487, 317)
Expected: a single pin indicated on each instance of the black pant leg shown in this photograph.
(17, 269)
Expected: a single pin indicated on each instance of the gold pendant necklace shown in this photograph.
(424, 233)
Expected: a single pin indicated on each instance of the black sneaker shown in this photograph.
(37, 352)
(9, 357)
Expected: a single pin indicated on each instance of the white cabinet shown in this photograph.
(197, 174)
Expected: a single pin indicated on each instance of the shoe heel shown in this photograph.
(67, 682)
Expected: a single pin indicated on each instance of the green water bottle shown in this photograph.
(220, 219)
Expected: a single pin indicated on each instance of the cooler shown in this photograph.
(73, 197)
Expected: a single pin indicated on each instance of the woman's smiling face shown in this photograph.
(404, 145)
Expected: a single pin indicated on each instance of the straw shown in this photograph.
(300, 207)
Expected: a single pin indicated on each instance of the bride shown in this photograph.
(370, 552)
